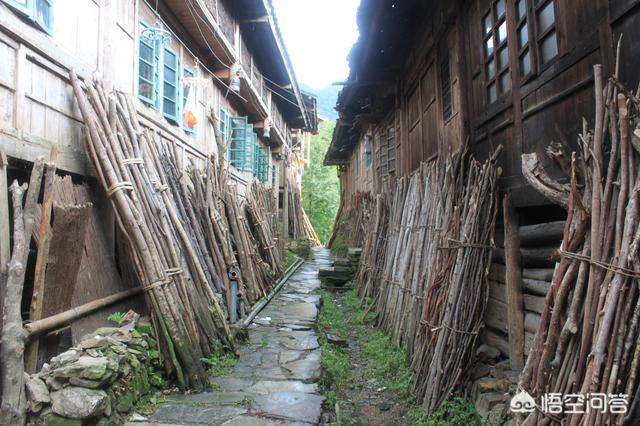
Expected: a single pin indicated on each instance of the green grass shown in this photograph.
(289, 260)
(220, 365)
(386, 362)
(340, 246)
(455, 411)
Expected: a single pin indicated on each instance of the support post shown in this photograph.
(515, 313)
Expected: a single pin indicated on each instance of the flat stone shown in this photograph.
(305, 369)
(265, 387)
(211, 398)
(260, 421)
(301, 341)
(232, 384)
(295, 406)
(80, 403)
(189, 414)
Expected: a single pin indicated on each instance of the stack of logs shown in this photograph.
(587, 341)
(300, 227)
(538, 244)
(424, 265)
(184, 232)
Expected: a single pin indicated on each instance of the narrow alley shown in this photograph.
(319, 212)
(275, 380)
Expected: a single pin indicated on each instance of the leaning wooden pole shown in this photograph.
(515, 313)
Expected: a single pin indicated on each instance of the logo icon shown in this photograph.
(522, 402)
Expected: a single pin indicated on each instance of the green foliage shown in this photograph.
(301, 248)
(455, 411)
(335, 363)
(339, 246)
(289, 260)
(156, 370)
(387, 362)
(116, 317)
(320, 185)
(220, 365)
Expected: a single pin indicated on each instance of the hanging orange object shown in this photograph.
(189, 115)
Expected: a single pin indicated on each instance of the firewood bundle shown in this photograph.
(261, 211)
(181, 288)
(587, 341)
(300, 227)
(425, 262)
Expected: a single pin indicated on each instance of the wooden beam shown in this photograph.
(513, 278)
(46, 324)
(44, 239)
(5, 248)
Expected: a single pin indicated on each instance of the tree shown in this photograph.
(320, 185)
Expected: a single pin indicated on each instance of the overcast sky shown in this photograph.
(318, 35)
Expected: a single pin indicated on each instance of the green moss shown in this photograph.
(220, 365)
(339, 247)
(455, 411)
(301, 248)
(289, 260)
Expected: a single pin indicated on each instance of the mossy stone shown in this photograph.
(52, 419)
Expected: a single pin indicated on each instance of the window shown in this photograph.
(39, 11)
(147, 68)
(224, 125)
(368, 158)
(522, 33)
(238, 146)
(496, 53)
(546, 30)
(170, 85)
(274, 174)
(391, 149)
(445, 79)
(186, 72)
(536, 34)
(261, 167)
(382, 154)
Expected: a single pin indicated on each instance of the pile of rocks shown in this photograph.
(493, 384)
(344, 269)
(97, 381)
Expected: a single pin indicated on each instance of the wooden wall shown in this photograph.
(38, 109)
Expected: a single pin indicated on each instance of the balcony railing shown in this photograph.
(253, 73)
(223, 17)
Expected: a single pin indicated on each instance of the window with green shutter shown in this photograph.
(274, 173)
(39, 11)
(238, 146)
(250, 150)
(263, 164)
(147, 68)
(170, 85)
(186, 72)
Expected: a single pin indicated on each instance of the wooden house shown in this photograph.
(225, 61)
(440, 76)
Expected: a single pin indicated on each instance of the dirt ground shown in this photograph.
(365, 401)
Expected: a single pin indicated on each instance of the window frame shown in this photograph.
(175, 118)
(541, 36)
(30, 10)
(497, 47)
(183, 96)
(153, 102)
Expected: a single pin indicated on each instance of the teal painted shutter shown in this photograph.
(237, 147)
(43, 14)
(185, 92)
(147, 68)
(249, 150)
(170, 85)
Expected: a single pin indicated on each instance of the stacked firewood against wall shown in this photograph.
(300, 228)
(185, 229)
(587, 341)
(424, 265)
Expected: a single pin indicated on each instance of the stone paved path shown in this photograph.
(275, 379)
